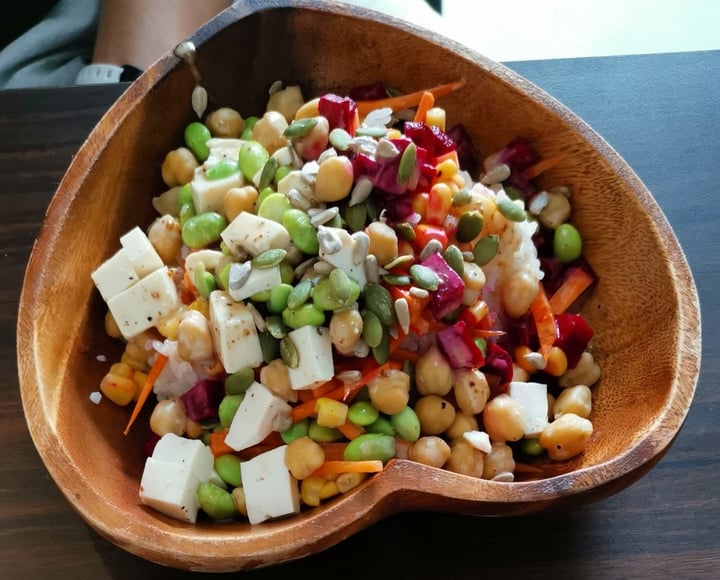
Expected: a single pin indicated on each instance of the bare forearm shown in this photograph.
(138, 32)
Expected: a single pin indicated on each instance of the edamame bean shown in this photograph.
(228, 468)
(239, 382)
(223, 169)
(227, 409)
(363, 413)
(406, 424)
(567, 243)
(323, 434)
(296, 430)
(340, 284)
(279, 298)
(274, 206)
(185, 195)
(305, 315)
(370, 446)
(215, 501)
(204, 281)
(196, 138)
(203, 229)
(282, 172)
(302, 233)
(246, 135)
(531, 446)
(252, 158)
(381, 425)
(186, 212)
(324, 297)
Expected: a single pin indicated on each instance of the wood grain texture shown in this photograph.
(472, 534)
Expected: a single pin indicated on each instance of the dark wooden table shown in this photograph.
(661, 112)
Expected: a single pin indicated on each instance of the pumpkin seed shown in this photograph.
(454, 258)
(268, 347)
(397, 279)
(268, 173)
(269, 258)
(511, 210)
(381, 353)
(300, 127)
(289, 353)
(485, 249)
(469, 226)
(461, 197)
(299, 294)
(275, 327)
(407, 163)
(424, 277)
(400, 260)
(340, 139)
(406, 231)
(356, 217)
(513, 193)
(372, 328)
(379, 301)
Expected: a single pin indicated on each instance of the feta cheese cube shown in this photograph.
(140, 252)
(343, 258)
(256, 417)
(222, 148)
(234, 334)
(191, 452)
(316, 360)
(170, 488)
(114, 275)
(145, 303)
(533, 397)
(270, 490)
(209, 194)
(254, 234)
(259, 280)
(295, 180)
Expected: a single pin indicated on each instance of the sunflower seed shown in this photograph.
(372, 271)
(376, 132)
(199, 100)
(361, 191)
(328, 241)
(298, 200)
(349, 377)
(309, 172)
(432, 247)
(402, 311)
(419, 292)
(257, 317)
(340, 139)
(386, 150)
(361, 246)
(496, 174)
(238, 275)
(324, 216)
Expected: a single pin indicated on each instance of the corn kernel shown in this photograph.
(420, 203)
(201, 305)
(330, 413)
(127, 359)
(111, 327)
(394, 134)
(329, 489)
(435, 117)
(445, 170)
(310, 489)
(439, 203)
(557, 362)
(120, 390)
(347, 481)
(169, 327)
(140, 378)
(520, 359)
(122, 370)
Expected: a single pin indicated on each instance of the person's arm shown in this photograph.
(138, 32)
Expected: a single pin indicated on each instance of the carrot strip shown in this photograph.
(334, 450)
(577, 281)
(325, 388)
(426, 102)
(335, 467)
(542, 165)
(152, 376)
(350, 430)
(402, 354)
(218, 445)
(409, 100)
(544, 322)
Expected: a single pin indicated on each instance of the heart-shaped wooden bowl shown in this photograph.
(644, 310)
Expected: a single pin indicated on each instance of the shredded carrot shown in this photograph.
(426, 102)
(218, 445)
(335, 467)
(541, 166)
(576, 282)
(402, 354)
(334, 450)
(409, 100)
(350, 430)
(544, 322)
(325, 388)
(152, 376)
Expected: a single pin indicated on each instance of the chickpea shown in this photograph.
(165, 234)
(471, 390)
(111, 327)
(193, 429)
(383, 242)
(286, 101)
(309, 109)
(390, 391)
(311, 145)
(566, 437)
(268, 131)
(334, 179)
(167, 201)
(520, 374)
(194, 340)
(238, 496)
(433, 373)
(168, 416)
(499, 460)
(465, 459)
(178, 167)
(586, 372)
(474, 279)
(435, 414)
(347, 481)
(238, 200)
(225, 122)
(576, 400)
(504, 419)
(518, 292)
(346, 328)
(430, 450)
(555, 212)
(462, 424)
(276, 378)
(303, 456)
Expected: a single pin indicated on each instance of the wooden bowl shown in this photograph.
(644, 310)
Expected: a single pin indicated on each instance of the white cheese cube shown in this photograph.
(343, 258)
(254, 234)
(191, 452)
(114, 275)
(209, 194)
(256, 417)
(170, 488)
(222, 148)
(259, 280)
(533, 397)
(295, 180)
(234, 334)
(316, 360)
(270, 490)
(140, 252)
(146, 303)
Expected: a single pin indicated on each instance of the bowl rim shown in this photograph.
(647, 449)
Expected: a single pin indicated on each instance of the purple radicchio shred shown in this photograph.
(369, 92)
(574, 335)
(458, 345)
(339, 111)
(383, 174)
(431, 138)
(448, 296)
(203, 399)
(466, 150)
(498, 362)
(149, 445)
